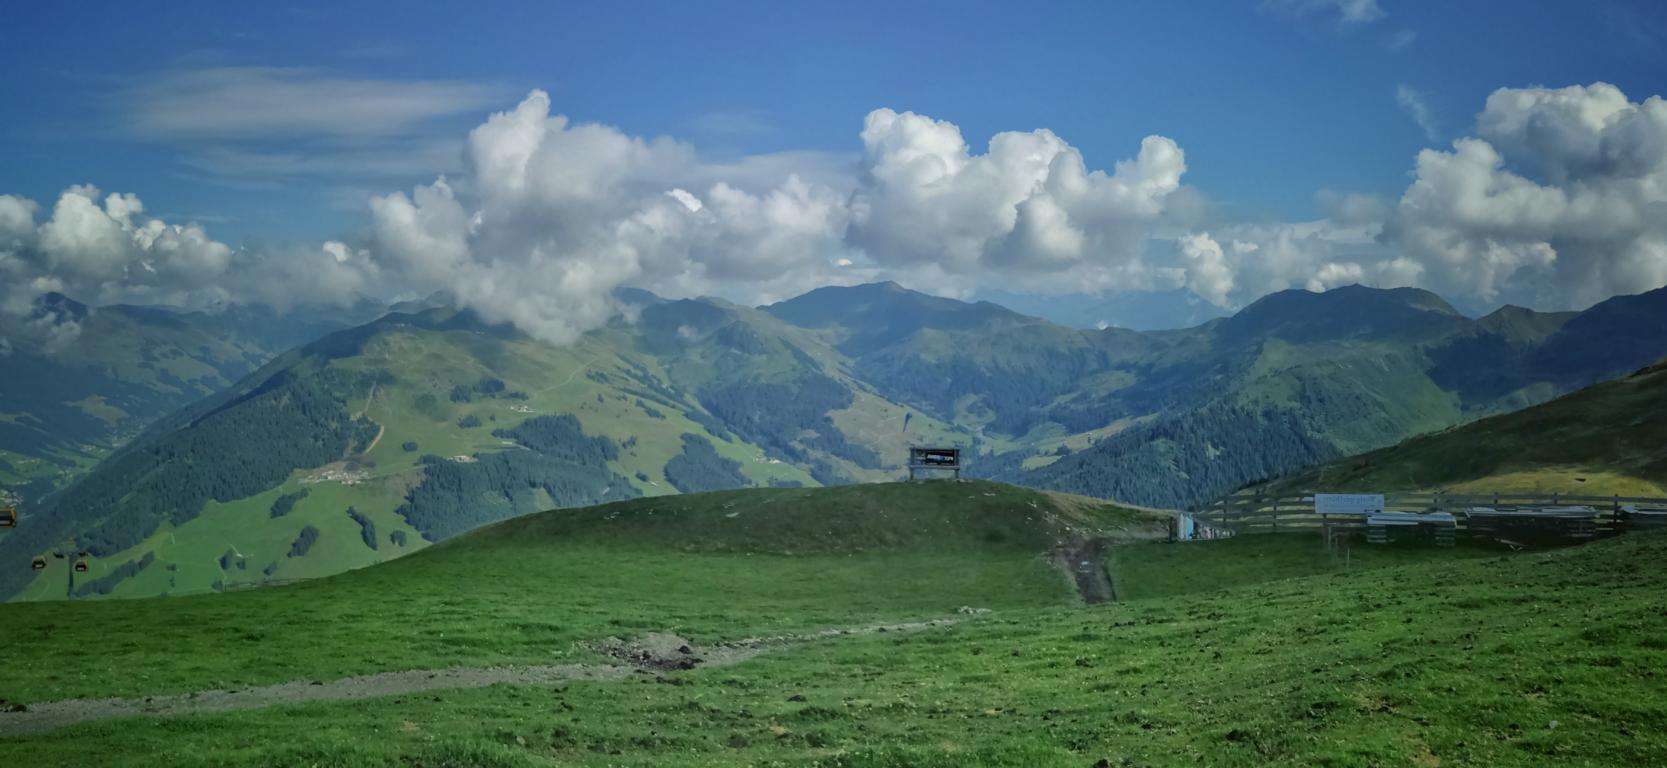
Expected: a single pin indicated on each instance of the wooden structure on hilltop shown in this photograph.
(934, 460)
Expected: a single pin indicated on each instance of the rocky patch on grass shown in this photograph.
(659, 651)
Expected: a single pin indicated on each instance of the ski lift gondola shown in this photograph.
(8, 517)
(39, 563)
(81, 566)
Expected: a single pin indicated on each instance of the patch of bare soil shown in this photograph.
(1085, 562)
(653, 651)
(35, 718)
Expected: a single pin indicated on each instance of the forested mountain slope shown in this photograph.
(80, 381)
(1172, 417)
(1610, 438)
(381, 438)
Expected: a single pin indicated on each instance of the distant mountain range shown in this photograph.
(79, 382)
(1137, 310)
(381, 437)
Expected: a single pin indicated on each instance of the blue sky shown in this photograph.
(1271, 106)
(1272, 102)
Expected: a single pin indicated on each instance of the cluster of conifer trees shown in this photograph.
(701, 468)
(569, 467)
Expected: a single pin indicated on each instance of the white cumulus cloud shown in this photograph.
(1028, 209)
(105, 251)
(1558, 201)
(559, 213)
(1562, 199)
(1207, 271)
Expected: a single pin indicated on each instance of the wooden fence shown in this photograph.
(1268, 514)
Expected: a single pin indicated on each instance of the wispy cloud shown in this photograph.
(260, 124)
(1417, 106)
(1644, 32)
(244, 103)
(1348, 12)
(1400, 40)
(732, 123)
(393, 159)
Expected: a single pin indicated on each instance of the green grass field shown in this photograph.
(1158, 569)
(1258, 650)
(528, 590)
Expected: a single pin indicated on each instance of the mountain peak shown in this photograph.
(58, 306)
(832, 304)
(1521, 324)
(876, 314)
(1348, 311)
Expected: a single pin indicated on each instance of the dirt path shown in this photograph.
(380, 431)
(652, 654)
(1085, 561)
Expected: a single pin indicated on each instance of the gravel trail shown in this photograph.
(653, 654)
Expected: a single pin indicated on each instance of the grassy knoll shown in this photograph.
(530, 590)
(1161, 569)
(1551, 658)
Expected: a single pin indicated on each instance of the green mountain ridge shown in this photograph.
(431, 422)
(80, 382)
(1610, 438)
(1298, 378)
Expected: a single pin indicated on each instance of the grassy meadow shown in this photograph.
(532, 589)
(1550, 658)
(1260, 650)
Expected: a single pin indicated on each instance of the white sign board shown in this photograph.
(1347, 503)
